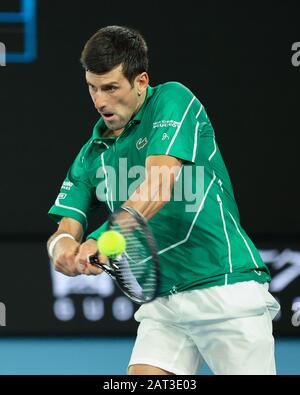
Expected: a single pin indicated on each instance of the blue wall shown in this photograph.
(99, 356)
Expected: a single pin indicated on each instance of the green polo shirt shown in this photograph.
(199, 236)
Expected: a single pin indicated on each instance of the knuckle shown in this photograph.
(79, 258)
(68, 255)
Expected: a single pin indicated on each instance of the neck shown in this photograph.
(117, 132)
(109, 132)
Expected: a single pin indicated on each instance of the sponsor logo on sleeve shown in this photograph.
(62, 196)
(67, 185)
(165, 124)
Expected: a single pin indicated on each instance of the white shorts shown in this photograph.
(229, 327)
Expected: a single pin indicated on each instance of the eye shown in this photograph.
(111, 88)
(92, 88)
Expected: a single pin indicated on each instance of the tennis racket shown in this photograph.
(136, 271)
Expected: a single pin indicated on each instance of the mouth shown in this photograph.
(107, 116)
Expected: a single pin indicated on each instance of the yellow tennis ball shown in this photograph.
(111, 243)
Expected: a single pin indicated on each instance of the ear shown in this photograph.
(142, 82)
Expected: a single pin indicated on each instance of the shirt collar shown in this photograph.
(100, 126)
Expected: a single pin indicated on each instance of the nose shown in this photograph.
(99, 100)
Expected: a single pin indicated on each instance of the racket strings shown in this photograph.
(136, 273)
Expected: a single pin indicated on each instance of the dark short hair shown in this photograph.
(111, 46)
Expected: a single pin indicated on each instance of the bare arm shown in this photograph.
(153, 193)
(68, 225)
(156, 190)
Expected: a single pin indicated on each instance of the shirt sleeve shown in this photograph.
(98, 232)
(76, 198)
(176, 121)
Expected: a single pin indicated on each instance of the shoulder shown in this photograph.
(83, 151)
(172, 93)
(173, 87)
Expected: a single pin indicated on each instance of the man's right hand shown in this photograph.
(64, 257)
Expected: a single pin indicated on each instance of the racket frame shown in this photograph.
(112, 265)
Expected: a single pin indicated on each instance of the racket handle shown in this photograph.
(94, 260)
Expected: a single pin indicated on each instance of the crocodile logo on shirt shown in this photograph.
(141, 143)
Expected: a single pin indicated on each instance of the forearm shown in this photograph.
(148, 199)
(156, 190)
(70, 226)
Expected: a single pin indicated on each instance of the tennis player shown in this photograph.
(214, 304)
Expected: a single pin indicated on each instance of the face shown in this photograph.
(115, 98)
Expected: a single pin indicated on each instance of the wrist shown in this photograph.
(55, 240)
